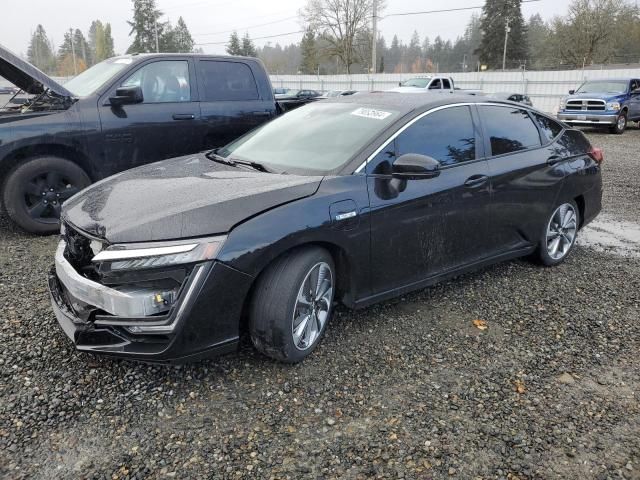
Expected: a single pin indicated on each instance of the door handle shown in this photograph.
(553, 159)
(184, 116)
(475, 181)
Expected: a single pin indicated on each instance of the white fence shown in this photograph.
(545, 88)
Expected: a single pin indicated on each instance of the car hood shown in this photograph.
(600, 96)
(180, 198)
(27, 77)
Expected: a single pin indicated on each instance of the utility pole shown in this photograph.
(73, 52)
(506, 38)
(374, 67)
(157, 42)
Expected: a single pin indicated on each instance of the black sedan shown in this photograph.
(354, 200)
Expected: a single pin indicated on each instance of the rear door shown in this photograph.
(160, 127)
(526, 172)
(231, 101)
(421, 228)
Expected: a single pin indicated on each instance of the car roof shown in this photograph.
(408, 102)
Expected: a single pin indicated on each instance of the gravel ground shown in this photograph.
(406, 389)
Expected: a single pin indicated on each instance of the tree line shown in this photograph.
(337, 40)
(77, 52)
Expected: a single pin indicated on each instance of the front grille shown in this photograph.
(586, 105)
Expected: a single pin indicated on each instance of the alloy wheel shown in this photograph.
(44, 195)
(561, 231)
(622, 122)
(313, 305)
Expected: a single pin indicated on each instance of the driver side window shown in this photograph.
(162, 82)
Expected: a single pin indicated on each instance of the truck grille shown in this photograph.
(586, 105)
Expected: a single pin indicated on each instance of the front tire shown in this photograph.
(560, 233)
(35, 190)
(292, 304)
(621, 124)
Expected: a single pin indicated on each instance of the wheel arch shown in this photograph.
(21, 154)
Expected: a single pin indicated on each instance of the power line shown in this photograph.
(249, 26)
(254, 38)
(444, 10)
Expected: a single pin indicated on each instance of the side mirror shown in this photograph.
(413, 166)
(127, 96)
(571, 92)
(399, 84)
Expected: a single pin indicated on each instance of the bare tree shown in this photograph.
(588, 34)
(340, 23)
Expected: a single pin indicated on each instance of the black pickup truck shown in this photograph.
(121, 113)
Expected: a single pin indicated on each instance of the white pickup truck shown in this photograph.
(434, 84)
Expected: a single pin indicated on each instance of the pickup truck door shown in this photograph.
(634, 100)
(231, 103)
(160, 127)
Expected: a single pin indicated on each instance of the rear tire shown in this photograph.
(559, 234)
(621, 124)
(286, 322)
(35, 189)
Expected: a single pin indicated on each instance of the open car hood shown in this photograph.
(27, 77)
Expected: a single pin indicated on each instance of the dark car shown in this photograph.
(355, 200)
(121, 113)
(512, 97)
(296, 98)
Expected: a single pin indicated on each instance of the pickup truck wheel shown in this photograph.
(35, 190)
(621, 124)
(292, 304)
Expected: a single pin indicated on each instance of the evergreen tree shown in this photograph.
(309, 63)
(538, 34)
(80, 45)
(248, 48)
(92, 40)
(497, 15)
(40, 52)
(182, 39)
(233, 47)
(146, 19)
(109, 50)
(414, 54)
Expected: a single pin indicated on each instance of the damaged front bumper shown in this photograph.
(115, 321)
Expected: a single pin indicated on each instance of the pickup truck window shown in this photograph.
(603, 87)
(445, 84)
(162, 82)
(446, 135)
(416, 82)
(435, 85)
(635, 85)
(509, 129)
(227, 81)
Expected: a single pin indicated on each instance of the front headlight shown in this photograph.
(137, 256)
(613, 106)
(563, 103)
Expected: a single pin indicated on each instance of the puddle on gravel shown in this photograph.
(612, 236)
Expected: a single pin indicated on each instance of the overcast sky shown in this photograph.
(210, 20)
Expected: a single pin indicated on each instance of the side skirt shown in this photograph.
(365, 302)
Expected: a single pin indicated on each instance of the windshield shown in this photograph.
(416, 82)
(317, 138)
(92, 79)
(603, 87)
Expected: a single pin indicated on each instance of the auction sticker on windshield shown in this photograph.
(371, 113)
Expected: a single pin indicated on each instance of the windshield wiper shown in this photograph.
(212, 155)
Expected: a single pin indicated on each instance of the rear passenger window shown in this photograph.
(446, 135)
(550, 128)
(509, 129)
(227, 81)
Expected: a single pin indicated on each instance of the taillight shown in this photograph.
(596, 154)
